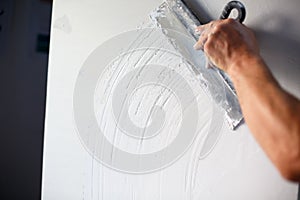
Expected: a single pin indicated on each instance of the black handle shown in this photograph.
(234, 5)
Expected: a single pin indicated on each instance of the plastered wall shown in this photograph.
(236, 167)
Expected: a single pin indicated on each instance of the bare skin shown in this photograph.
(272, 114)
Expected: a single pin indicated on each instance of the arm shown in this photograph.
(272, 114)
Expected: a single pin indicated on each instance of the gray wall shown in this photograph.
(23, 84)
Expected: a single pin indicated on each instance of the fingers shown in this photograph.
(200, 44)
(222, 42)
(205, 32)
(200, 29)
(208, 64)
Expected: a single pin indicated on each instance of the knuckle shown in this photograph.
(208, 45)
(218, 28)
(230, 21)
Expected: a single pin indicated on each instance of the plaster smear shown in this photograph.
(150, 107)
(63, 23)
(146, 96)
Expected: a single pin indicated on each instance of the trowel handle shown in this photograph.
(234, 5)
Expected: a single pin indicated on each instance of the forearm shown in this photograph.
(271, 113)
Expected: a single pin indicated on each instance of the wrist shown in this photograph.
(241, 64)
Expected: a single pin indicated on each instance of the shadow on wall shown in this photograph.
(281, 54)
(199, 11)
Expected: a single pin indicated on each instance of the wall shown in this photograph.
(75, 165)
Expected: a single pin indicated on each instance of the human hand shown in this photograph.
(226, 42)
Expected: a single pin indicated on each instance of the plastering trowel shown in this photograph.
(176, 16)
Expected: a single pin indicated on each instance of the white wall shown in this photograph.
(236, 168)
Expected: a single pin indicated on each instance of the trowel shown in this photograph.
(175, 15)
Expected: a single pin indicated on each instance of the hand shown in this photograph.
(226, 42)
